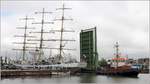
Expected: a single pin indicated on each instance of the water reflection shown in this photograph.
(88, 78)
(120, 79)
(84, 78)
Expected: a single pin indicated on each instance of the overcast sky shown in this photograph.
(124, 21)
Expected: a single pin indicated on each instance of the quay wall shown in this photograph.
(9, 73)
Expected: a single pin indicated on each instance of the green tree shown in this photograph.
(102, 63)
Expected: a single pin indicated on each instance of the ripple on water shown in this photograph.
(86, 78)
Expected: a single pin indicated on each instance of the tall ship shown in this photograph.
(119, 66)
(35, 47)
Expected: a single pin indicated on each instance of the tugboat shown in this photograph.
(119, 66)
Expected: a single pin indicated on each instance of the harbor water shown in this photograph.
(85, 78)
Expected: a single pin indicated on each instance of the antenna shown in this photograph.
(24, 36)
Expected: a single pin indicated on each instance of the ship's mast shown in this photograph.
(50, 53)
(25, 37)
(62, 29)
(41, 32)
(61, 47)
(62, 26)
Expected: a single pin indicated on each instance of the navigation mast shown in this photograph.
(117, 52)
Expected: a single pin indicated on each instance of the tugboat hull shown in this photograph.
(130, 73)
(127, 73)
